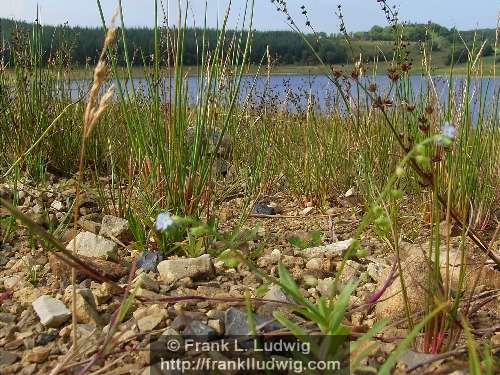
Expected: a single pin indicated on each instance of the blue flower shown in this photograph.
(447, 134)
(164, 220)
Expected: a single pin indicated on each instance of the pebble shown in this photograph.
(275, 293)
(148, 260)
(149, 318)
(91, 245)
(7, 358)
(38, 354)
(116, 227)
(328, 251)
(6, 192)
(195, 268)
(51, 311)
(147, 283)
(263, 209)
(45, 337)
(307, 211)
(57, 205)
(236, 322)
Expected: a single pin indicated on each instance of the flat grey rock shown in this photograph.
(51, 311)
(92, 245)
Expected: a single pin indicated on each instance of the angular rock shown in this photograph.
(236, 323)
(57, 205)
(51, 311)
(350, 272)
(106, 268)
(7, 358)
(148, 260)
(146, 282)
(307, 211)
(91, 245)
(45, 337)
(149, 318)
(197, 328)
(329, 251)
(38, 354)
(325, 286)
(86, 309)
(6, 192)
(195, 268)
(275, 293)
(416, 273)
(116, 227)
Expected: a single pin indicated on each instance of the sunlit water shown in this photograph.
(299, 92)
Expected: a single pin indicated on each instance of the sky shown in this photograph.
(359, 15)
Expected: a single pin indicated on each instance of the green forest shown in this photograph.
(79, 46)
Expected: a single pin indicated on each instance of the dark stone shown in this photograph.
(236, 323)
(45, 337)
(188, 326)
(197, 328)
(148, 260)
(7, 358)
(263, 209)
(3, 260)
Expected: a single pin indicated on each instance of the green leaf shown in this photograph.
(229, 259)
(294, 328)
(338, 312)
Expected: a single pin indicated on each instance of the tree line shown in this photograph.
(81, 45)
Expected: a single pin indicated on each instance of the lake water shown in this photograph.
(296, 92)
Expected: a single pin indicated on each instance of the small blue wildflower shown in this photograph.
(163, 221)
(447, 134)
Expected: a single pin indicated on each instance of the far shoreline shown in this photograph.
(288, 70)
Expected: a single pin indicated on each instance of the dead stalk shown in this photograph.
(93, 112)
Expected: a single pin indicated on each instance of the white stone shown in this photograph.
(51, 311)
(275, 293)
(306, 211)
(92, 245)
(116, 227)
(13, 281)
(195, 268)
(325, 286)
(328, 251)
(57, 205)
(374, 270)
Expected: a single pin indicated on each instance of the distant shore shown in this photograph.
(370, 69)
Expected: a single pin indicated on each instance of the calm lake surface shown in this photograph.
(296, 92)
